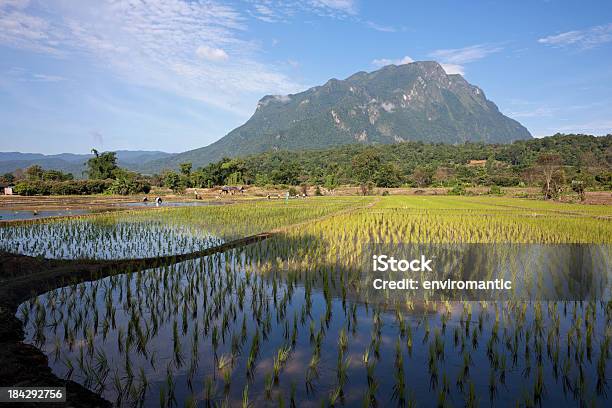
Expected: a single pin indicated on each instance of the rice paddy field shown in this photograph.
(279, 322)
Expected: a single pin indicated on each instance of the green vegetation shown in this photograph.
(164, 231)
(279, 321)
(104, 177)
(72, 187)
(102, 166)
(559, 163)
(552, 163)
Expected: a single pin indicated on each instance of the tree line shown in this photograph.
(555, 163)
(103, 176)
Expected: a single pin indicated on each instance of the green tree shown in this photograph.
(102, 166)
(186, 176)
(286, 173)
(234, 178)
(388, 175)
(365, 165)
(173, 181)
(186, 168)
(34, 172)
(331, 181)
(261, 179)
(56, 175)
(7, 178)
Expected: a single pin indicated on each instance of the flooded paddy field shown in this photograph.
(10, 215)
(281, 322)
(152, 204)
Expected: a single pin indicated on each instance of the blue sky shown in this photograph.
(175, 75)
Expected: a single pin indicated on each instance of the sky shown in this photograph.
(175, 75)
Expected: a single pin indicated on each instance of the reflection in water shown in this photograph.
(532, 271)
(97, 239)
(250, 323)
(6, 215)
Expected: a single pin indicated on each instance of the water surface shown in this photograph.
(6, 215)
(211, 330)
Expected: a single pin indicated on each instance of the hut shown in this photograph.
(477, 163)
(232, 190)
(7, 189)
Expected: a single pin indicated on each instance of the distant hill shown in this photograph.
(410, 102)
(75, 163)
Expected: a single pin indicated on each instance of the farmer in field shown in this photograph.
(158, 201)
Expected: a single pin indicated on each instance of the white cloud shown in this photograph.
(18, 74)
(593, 127)
(588, 38)
(274, 98)
(453, 69)
(293, 63)
(263, 12)
(385, 61)
(47, 78)
(280, 11)
(382, 28)
(211, 53)
(454, 59)
(18, 4)
(536, 112)
(464, 55)
(282, 98)
(171, 45)
(344, 6)
(19, 29)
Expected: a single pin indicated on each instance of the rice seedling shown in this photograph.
(282, 355)
(227, 316)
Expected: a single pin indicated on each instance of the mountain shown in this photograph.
(411, 102)
(75, 163)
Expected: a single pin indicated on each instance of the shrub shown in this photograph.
(30, 188)
(366, 188)
(458, 189)
(496, 190)
(126, 186)
(71, 187)
(579, 188)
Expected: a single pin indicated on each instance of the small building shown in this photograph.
(7, 189)
(232, 190)
(477, 163)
